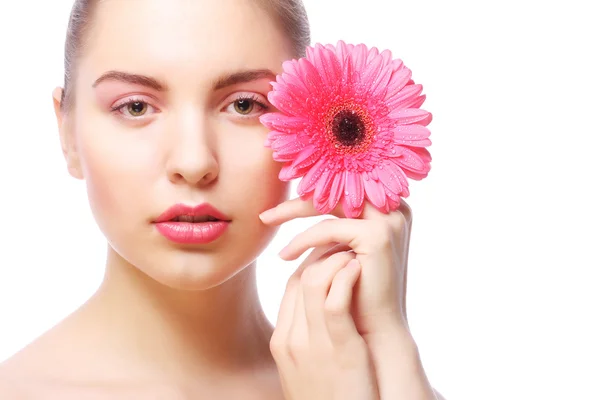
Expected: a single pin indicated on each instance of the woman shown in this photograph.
(159, 115)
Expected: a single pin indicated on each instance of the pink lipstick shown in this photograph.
(192, 225)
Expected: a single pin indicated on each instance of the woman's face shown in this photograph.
(197, 75)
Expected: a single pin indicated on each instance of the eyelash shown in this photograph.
(253, 98)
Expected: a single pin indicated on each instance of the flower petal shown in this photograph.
(393, 177)
(287, 173)
(380, 85)
(311, 77)
(399, 79)
(413, 135)
(309, 181)
(283, 123)
(306, 158)
(371, 74)
(322, 188)
(328, 66)
(354, 189)
(410, 160)
(336, 189)
(407, 116)
(406, 94)
(349, 210)
(375, 193)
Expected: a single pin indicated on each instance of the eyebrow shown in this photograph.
(243, 77)
(135, 79)
(220, 83)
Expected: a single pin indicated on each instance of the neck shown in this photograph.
(221, 329)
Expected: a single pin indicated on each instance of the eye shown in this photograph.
(133, 108)
(243, 106)
(137, 109)
(248, 105)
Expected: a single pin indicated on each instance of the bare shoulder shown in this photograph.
(11, 386)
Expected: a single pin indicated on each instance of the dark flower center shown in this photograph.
(348, 128)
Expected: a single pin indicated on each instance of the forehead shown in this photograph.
(190, 40)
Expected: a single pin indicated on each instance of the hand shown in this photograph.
(317, 349)
(380, 242)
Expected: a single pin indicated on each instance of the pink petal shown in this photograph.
(399, 79)
(421, 152)
(392, 177)
(371, 73)
(287, 103)
(400, 176)
(409, 160)
(281, 141)
(321, 195)
(415, 176)
(386, 55)
(375, 193)
(287, 173)
(309, 181)
(293, 68)
(380, 85)
(414, 103)
(328, 66)
(359, 57)
(311, 77)
(413, 135)
(397, 98)
(349, 210)
(283, 123)
(290, 78)
(342, 50)
(411, 116)
(335, 193)
(306, 158)
(354, 189)
(348, 73)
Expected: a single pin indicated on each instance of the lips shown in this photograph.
(192, 225)
(200, 213)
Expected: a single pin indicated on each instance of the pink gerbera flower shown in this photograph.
(350, 125)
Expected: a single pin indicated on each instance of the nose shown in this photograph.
(192, 157)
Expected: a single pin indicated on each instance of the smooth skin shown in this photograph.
(348, 299)
(173, 321)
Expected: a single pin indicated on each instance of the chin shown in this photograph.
(195, 267)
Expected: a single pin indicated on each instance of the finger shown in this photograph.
(344, 231)
(295, 208)
(370, 212)
(338, 316)
(298, 333)
(316, 283)
(286, 309)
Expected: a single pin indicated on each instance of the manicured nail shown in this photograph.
(266, 216)
(282, 253)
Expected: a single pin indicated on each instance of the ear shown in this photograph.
(67, 136)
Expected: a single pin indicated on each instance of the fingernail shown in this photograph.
(267, 215)
(282, 252)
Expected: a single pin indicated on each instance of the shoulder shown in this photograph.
(10, 386)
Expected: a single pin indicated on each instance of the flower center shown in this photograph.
(348, 128)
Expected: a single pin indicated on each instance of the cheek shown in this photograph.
(252, 176)
(116, 170)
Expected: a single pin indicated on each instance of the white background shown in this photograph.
(503, 274)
